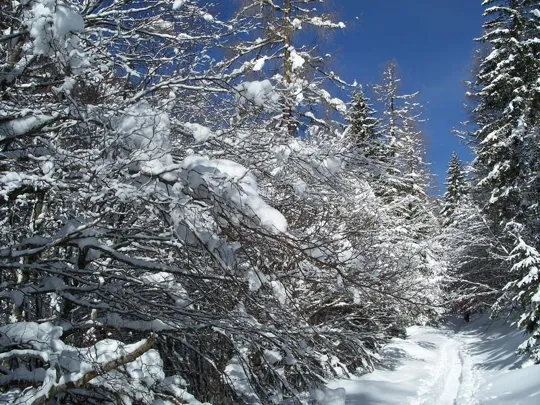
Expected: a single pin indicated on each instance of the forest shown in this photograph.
(196, 208)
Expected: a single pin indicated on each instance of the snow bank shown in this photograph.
(329, 396)
(502, 376)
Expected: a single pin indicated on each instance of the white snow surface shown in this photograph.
(144, 132)
(297, 61)
(259, 64)
(460, 364)
(22, 125)
(237, 377)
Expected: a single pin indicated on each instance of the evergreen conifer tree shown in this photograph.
(507, 111)
(407, 179)
(456, 189)
(525, 290)
(362, 130)
(506, 143)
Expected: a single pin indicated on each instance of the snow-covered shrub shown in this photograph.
(165, 228)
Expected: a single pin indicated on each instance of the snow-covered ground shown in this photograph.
(459, 364)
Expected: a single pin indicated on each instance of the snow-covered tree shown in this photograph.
(456, 189)
(405, 184)
(473, 279)
(475, 276)
(162, 240)
(122, 255)
(506, 166)
(278, 44)
(393, 111)
(361, 142)
(399, 129)
(398, 176)
(507, 111)
(362, 128)
(524, 292)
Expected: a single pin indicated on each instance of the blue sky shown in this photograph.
(432, 42)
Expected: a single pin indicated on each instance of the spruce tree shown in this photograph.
(456, 189)
(407, 178)
(507, 110)
(362, 129)
(506, 143)
(525, 290)
(405, 181)
(388, 97)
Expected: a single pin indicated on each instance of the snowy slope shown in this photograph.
(460, 364)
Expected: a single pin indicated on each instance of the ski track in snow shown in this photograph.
(467, 379)
(461, 364)
(450, 378)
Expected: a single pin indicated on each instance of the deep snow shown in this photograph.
(459, 364)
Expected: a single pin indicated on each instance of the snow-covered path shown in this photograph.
(461, 364)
